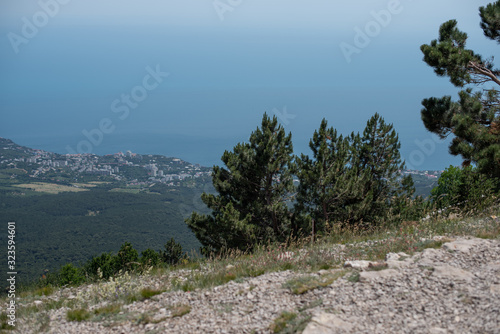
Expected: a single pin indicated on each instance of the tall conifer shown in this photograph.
(328, 181)
(253, 191)
(378, 163)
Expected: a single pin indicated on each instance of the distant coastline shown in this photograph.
(194, 149)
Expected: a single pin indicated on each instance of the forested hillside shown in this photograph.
(52, 230)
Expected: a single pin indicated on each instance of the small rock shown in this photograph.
(367, 276)
(439, 238)
(462, 245)
(428, 256)
(392, 257)
(495, 289)
(399, 264)
(377, 265)
(360, 264)
(452, 273)
(324, 323)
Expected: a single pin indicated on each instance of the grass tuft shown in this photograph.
(4, 322)
(303, 284)
(354, 277)
(108, 310)
(180, 310)
(44, 291)
(147, 293)
(77, 315)
(281, 322)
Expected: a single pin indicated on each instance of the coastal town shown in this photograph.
(131, 168)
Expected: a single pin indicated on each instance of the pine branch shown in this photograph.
(481, 70)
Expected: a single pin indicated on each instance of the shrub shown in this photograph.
(173, 252)
(150, 257)
(464, 187)
(127, 258)
(69, 274)
(104, 262)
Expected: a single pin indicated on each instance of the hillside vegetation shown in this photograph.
(117, 302)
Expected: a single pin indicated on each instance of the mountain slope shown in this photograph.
(445, 283)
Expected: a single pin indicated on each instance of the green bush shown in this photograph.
(69, 274)
(405, 205)
(104, 262)
(127, 258)
(150, 257)
(109, 265)
(173, 252)
(463, 187)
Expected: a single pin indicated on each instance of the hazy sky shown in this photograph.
(93, 74)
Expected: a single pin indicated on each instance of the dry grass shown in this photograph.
(180, 310)
(303, 284)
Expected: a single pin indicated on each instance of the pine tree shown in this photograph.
(404, 205)
(378, 162)
(127, 257)
(172, 253)
(328, 181)
(253, 192)
(490, 20)
(474, 119)
(351, 180)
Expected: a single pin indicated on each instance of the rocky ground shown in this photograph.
(453, 289)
